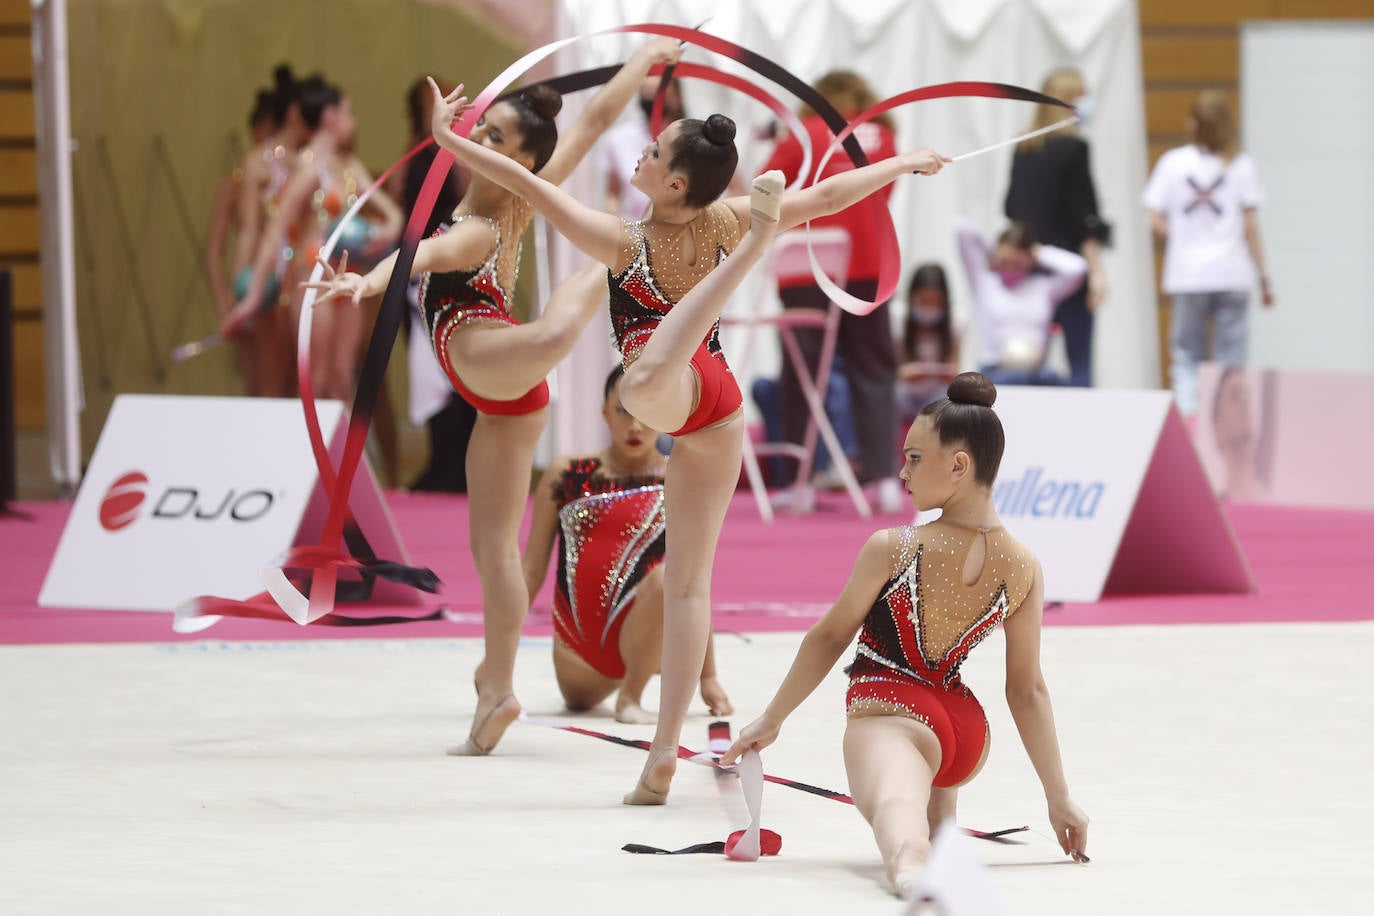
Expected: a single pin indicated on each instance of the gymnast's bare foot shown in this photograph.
(489, 721)
(657, 772)
(904, 871)
(629, 711)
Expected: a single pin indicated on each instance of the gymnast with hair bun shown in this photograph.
(920, 599)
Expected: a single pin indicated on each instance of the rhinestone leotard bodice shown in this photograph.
(926, 620)
(654, 273)
(611, 531)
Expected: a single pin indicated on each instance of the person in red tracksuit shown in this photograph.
(864, 344)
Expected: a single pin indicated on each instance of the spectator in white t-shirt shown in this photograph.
(622, 145)
(1202, 200)
(1016, 285)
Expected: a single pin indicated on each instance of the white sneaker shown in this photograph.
(799, 500)
(892, 499)
(828, 480)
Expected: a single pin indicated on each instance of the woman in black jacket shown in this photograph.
(1052, 191)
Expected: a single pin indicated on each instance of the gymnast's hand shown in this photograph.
(337, 285)
(1070, 828)
(715, 697)
(447, 108)
(238, 317)
(756, 735)
(925, 161)
(662, 50)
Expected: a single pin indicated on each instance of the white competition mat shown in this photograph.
(1225, 770)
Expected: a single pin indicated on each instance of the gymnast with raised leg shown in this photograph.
(670, 276)
(920, 599)
(497, 365)
(606, 513)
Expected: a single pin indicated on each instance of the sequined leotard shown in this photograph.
(278, 161)
(481, 296)
(922, 627)
(611, 534)
(332, 195)
(652, 277)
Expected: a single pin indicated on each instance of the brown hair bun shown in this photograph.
(972, 388)
(719, 130)
(544, 101)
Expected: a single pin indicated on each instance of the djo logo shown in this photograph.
(119, 508)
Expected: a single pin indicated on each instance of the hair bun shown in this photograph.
(719, 129)
(972, 388)
(283, 78)
(544, 101)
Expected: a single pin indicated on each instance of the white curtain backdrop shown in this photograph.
(899, 45)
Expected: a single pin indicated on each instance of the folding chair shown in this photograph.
(788, 260)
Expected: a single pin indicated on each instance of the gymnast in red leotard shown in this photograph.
(606, 513)
(496, 363)
(921, 598)
(670, 278)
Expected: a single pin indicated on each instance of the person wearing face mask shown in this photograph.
(1016, 284)
(606, 513)
(1052, 192)
(930, 347)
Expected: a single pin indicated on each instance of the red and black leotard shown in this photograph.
(453, 299)
(922, 627)
(652, 279)
(611, 534)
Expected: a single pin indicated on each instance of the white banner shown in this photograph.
(190, 496)
(1107, 491)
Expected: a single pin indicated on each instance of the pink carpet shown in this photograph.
(778, 577)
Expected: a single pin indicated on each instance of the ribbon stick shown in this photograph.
(183, 352)
(1026, 136)
(889, 254)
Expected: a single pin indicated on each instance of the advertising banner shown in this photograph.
(1106, 488)
(189, 496)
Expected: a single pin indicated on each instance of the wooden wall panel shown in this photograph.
(30, 401)
(14, 12)
(1323, 9)
(18, 171)
(16, 114)
(1224, 13)
(16, 57)
(19, 229)
(26, 282)
(1190, 58)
